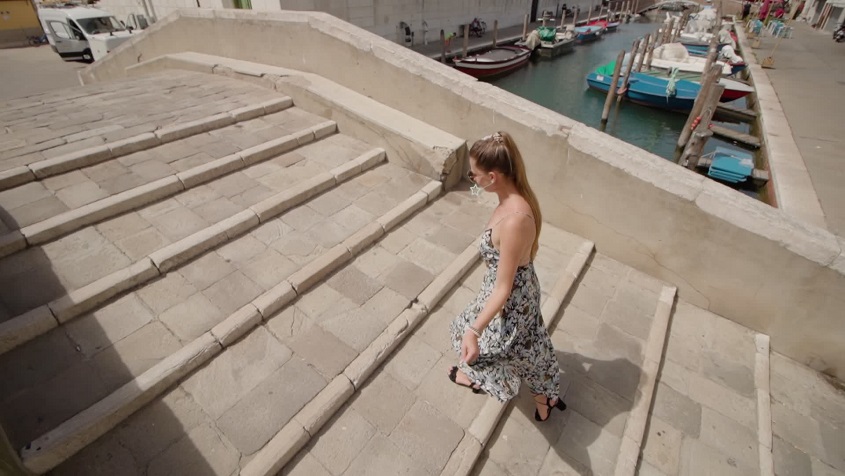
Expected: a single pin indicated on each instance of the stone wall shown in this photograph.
(727, 253)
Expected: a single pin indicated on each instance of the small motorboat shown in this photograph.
(608, 24)
(588, 33)
(650, 91)
(554, 42)
(497, 61)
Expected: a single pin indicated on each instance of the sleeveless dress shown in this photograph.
(515, 346)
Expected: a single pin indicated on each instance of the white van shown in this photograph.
(80, 32)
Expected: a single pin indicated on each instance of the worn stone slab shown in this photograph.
(202, 449)
(335, 450)
(663, 446)
(274, 299)
(447, 280)
(677, 409)
(427, 436)
(130, 145)
(71, 436)
(321, 408)
(464, 457)
(101, 209)
(266, 150)
(281, 448)
(379, 349)
(183, 250)
(25, 327)
(16, 176)
(400, 212)
(209, 171)
(70, 161)
(320, 267)
(86, 298)
(11, 242)
(299, 193)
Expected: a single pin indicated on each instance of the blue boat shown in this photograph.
(732, 166)
(697, 48)
(649, 90)
(588, 33)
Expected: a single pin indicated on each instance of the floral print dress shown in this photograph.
(515, 346)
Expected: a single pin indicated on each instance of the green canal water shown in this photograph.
(560, 85)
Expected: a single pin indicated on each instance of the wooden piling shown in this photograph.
(590, 11)
(442, 47)
(611, 91)
(645, 46)
(562, 19)
(495, 32)
(636, 7)
(634, 49)
(711, 75)
(525, 27)
(666, 29)
(672, 30)
(466, 40)
(652, 45)
(702, 132)
(711, 55)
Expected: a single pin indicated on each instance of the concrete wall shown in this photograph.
(726, 252)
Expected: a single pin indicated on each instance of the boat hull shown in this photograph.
(650, 91)
(494, 63)
(588, 33)
(551, 50)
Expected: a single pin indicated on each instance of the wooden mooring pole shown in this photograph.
(495, 32)
(702, 132)
(466, 40)
(611, 91)
(672, 30)
(709, 79)
(711, 55)
(525, 27)
(634, 49)
(646, 47)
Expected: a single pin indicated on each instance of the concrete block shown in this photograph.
(274, 299)
(183, 250)
(277, 452)
(130, 145)
(13, 177)
(101, 209)
(321, 408)
(324, 129)
(402, 211)
(12, 242)
(238, 224)
(346, 171)
(59, 444)
(433, 189)
(269, 149)
(237, 325)
(25, 327)
(363, 238)
(317, 269)
(210, 171)
(71, 161)
(304, 137)
(379, 349)
(86, 298)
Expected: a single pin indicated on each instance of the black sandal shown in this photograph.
(559, 405)
(453, 376)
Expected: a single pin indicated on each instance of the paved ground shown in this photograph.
(808, 78)
(34, 70)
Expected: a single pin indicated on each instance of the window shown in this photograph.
(61, 30)
(99, 25)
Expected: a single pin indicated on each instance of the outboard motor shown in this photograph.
(839, 34)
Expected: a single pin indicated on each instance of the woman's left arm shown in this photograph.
(512, 235)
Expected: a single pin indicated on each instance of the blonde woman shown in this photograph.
(500, 337)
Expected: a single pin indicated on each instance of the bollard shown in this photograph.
(611, 91)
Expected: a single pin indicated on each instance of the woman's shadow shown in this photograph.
(599, 395)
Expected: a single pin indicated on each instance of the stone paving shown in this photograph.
(409, 418)
(50, 124)
(704, 419)
(600, 340)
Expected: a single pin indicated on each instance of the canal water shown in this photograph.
(560, 85)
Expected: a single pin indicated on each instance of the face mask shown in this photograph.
(475, 190)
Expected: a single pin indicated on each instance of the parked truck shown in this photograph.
(81, 32)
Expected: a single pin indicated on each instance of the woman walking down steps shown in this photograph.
(500, 337)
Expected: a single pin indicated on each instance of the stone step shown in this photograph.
(147, 352)
(408, 418)
(609, 339)
(313, 344)
(138, 246)
(63, 122)
(45, 210)
(711, 413)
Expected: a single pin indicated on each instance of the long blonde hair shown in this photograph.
(498, 152)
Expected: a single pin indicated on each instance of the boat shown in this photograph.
(554, 42)
(588, 33)
(699, 48)
(730, 166)
(497, 61)
(733, 89)
(675, 55)
(608, 23)
(650, 90)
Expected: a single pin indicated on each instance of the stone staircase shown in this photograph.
(231, 282)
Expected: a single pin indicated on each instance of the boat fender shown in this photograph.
(695, 123)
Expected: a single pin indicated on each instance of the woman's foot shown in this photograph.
(463, 380)
(544, 406)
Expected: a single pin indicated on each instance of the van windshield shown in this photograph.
(93, 26)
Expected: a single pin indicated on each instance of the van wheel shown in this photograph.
(87, 56)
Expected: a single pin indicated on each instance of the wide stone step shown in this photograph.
(80, 195)
(57, 123)
(301, 346)
(609, 341)
(199, 310)
(408, 418)
(81, 270)
(711, 412)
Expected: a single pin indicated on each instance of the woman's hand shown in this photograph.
(469, 348)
